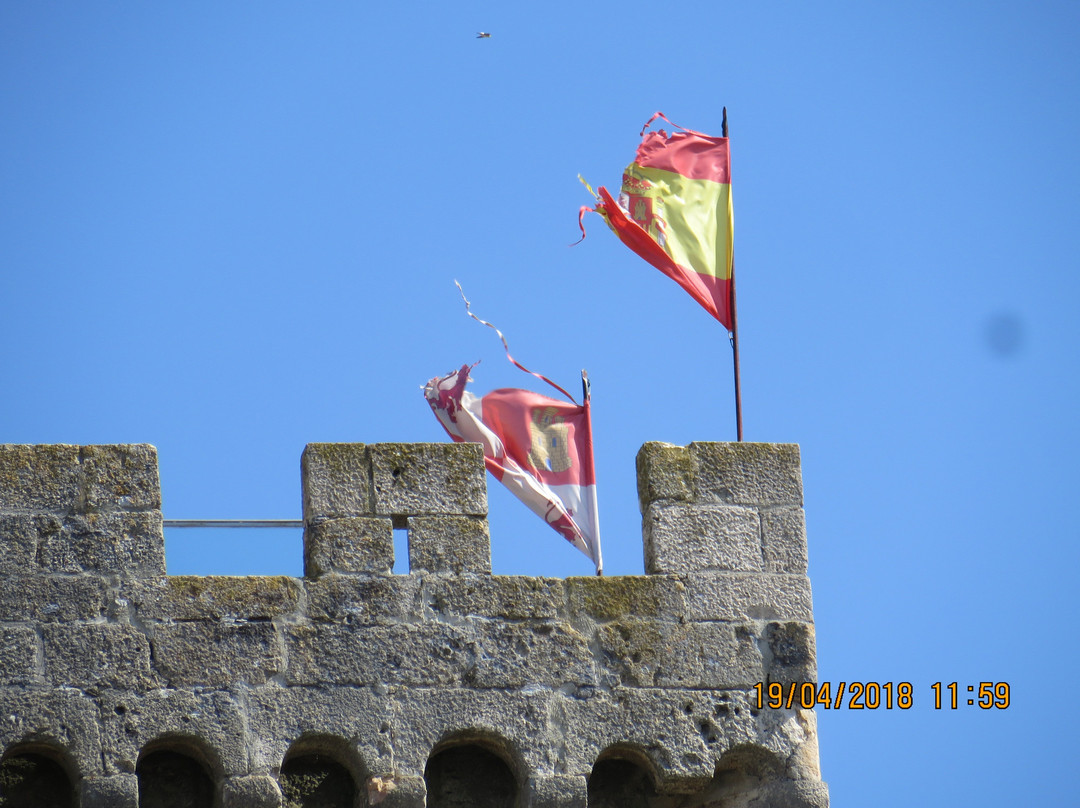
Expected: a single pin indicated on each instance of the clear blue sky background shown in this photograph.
(230, 229)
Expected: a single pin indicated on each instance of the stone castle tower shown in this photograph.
(121, 686)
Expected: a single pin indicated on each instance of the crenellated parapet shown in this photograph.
(386, 687)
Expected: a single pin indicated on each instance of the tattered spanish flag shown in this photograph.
(675, 211)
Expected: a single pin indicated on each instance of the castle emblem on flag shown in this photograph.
(549, 448)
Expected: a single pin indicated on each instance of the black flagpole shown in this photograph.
(734, 323)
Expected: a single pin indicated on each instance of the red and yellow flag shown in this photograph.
(675, 211)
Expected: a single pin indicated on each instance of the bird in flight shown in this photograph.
(483, 35)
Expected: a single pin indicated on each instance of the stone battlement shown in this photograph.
(446, 686)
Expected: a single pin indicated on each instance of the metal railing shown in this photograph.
(234, 523)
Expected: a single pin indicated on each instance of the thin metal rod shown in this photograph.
(735, 357)
(586, 396)
(234, 523)
(734, 325)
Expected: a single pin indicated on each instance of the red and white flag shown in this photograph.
(538, 447)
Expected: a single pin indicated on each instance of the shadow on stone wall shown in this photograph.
(316, 781)
(29, 780)
(469, 776)
(169, 779)
(619, 783)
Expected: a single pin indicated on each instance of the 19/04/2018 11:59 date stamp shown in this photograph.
(875, 695)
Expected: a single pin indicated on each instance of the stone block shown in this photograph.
(97, 656)
(20, 536)
(756, 474)
(722, 719)
(509, 597)
(703, 726)
(278, 717)
(664, 473)
(114, 791)
(579, 727)
(743, 596)
(52, 598)
(690, 538)
(43, 479)
(656, 653)
(410, 654)
(214, 597)
(120, 478)
(803, 762)
(422, 479)
(557, 791)
(64, 480)
(657, 724)
(449, 544)
(777, 743)
(792, 655)
(529, 654)
(336, 481)
(783, 540)
(131, 545)
(662, 597)
(632, 649)
(356, 544)
(711, 655)
(793, 794)
(396, 791)
(20, 656)
(516, 722)
(364, 600)
(61, 719)
(215, 719)
(251, 791)
(211, 654)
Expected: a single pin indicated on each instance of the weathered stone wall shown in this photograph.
(354, 682)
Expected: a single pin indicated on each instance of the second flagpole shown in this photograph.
(734, 324)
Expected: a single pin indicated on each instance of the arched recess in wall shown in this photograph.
(622, 777)
(743, 773)
(321, 771)
(175, 773)
(37, 775)
(472, 771)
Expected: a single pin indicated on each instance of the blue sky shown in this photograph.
(231, 229)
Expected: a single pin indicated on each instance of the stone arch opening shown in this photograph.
(321, 772)
(743, 776)
(35, 775)
(175, 773)
(471, 772)
(622, 777)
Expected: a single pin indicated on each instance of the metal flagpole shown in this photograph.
(586, 393)
(734, 337)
